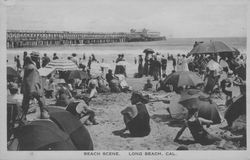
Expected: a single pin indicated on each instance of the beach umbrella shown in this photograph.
(183, 78)
(211, 47)
(12, 72)
(148, 51)
(62, 65)
(71, 125)
(78, 74)
(193, 99)
(43, 135)
(214, 66)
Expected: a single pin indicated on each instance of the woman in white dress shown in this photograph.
(184, 63)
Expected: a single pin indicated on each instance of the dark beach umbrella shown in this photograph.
(43, 135)
(78, 74)
(197, 100)
(237, 108)
(182, 78)
(148, 51)
(211, 47)
(73, 127)
(12, 72)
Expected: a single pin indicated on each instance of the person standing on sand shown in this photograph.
(32, 87)
(24, 56)
(184, 63)
(89, 62)
(164, 65)
(179, 63)
(140, 66)
(135, 60)
(174, 63)
(18, 64)
(146, 64)
(45, 60)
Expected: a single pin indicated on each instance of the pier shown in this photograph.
(20, 38)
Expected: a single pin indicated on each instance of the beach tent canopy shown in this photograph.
(62, 65)
(183, 78)
(211, 47)
(45, 71)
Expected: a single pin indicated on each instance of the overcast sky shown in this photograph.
(177, 18)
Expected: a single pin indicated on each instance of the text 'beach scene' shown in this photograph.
(126, 75)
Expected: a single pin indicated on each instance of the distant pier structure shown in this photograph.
(21, 38)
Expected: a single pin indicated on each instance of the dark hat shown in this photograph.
(142, 98)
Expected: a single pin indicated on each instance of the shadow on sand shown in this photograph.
(121, 133)
(168, 120)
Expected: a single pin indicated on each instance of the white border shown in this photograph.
(4, 154)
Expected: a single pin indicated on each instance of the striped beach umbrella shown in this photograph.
(62, 65)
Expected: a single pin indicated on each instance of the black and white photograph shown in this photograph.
(154, 78)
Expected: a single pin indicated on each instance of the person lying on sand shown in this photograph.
(136, 117)
(201, 135)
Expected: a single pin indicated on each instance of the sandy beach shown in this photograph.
(108, 106)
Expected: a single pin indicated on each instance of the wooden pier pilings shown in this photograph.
(20, 38)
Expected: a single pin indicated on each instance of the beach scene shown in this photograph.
(120, 87)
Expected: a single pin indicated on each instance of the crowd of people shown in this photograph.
(75, 95)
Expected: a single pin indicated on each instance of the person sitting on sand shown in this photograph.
(82, 112)
(109, 76)
(148, 86)
(201, 135)
(136, 117)
(63, 96)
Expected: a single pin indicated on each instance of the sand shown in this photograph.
(163, 129)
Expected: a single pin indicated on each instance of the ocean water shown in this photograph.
(131, 50)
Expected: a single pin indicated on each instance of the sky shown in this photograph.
(173, 18)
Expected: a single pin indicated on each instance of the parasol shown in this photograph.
(211, 47)
(73, 127)
(148, 51)
(183, 78)
(43, 135)
(62, 65)
(196, 100)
